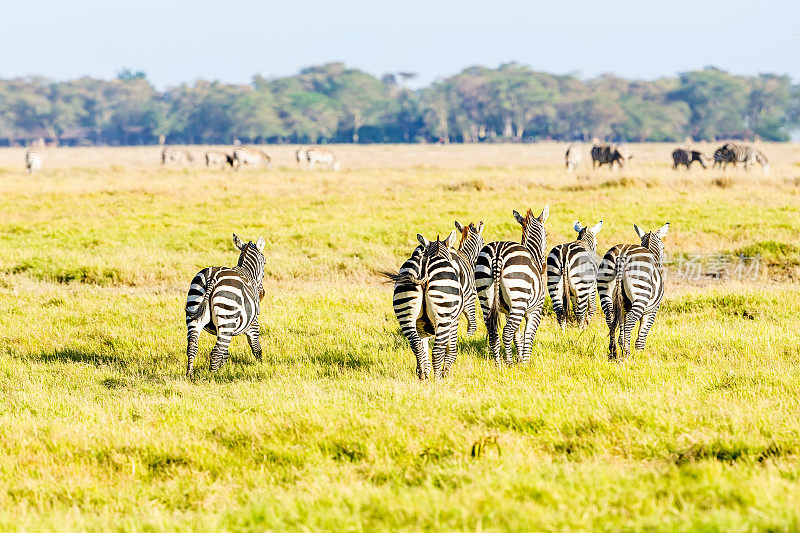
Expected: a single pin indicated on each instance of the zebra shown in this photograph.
(225, 302)
(508, 276)
(685, 156)
(250, 156)
(572, 275)
(33, 160)
(631, 286)
(468, 247)
(175, 155)
(427, 302)
(215, 158)
(323, 157)
(608, 154)
(574, 157)
(740, 153)
(302, 156)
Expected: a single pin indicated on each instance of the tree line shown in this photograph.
(334, 103)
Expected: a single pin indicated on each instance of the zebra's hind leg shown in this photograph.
(253, 334)
(441, 344)
(470, 312)
(452, 350)
(644, 329)
(592, 304)
(633, 316)
(581, 309)
(532, 321)
(191, 349)
(219, 354)
(510, 332)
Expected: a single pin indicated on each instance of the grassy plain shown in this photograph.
(100, 430)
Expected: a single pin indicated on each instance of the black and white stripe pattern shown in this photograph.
(215, 158)
(176, 155)
(734, 153)
(301, 155)
(608, 154)
(33, 160)
(468, 248)
(509, 279)
(572, 275)
(321, 156)
(631, 286)
(685, 157)
(428, 302)
(250, 156)
(226, 302)
(574, 156)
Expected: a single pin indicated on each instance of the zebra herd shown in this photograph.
(442, 280)
(248, 156)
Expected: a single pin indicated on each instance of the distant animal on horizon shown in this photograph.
(734, 153)
(608, 154)
(217, 158)
(176, 155)
(226, 302)
(301, 154)
(321, 156)
(686, 156)
(250, 156)
(33, 160)
(574, 156)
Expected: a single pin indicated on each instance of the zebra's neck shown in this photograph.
(469, 250)
(589, 242)
(252, 268)
(535, 243)
(653, 244)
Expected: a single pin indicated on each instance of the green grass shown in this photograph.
(100, 430)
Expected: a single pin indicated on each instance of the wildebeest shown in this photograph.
(608, 154)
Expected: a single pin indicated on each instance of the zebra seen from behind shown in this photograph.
(428, 301)
(734, 153)
(33, 160)
(631, 286)
(509, 279)
(250, 156)
(574, 157)
(226, 302)
(468, 247)
(572, 275)
(608, 154)
(215, 158)
(176, 155)
(320, 156)
(685, 156)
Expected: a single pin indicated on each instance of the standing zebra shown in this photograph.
(685, 156)
(33, 160)
(323, 157)
(250, 156)
(468, 248)
(631, 286)
(572, 275)
(740, 153)
(226, 301)
(216, 158)
(574, 156)
(608, 154)
(176, 155)
(428, 301)
(301, 155)
(508, 276)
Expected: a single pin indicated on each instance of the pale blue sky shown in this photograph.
(176, 41)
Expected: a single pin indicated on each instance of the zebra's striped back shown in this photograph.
(321, 156)
(509, 280)
(631, 286)
(33, 160)
(572, 274)
(608, 154)
(468, 248)
(734, 153)
(176, 155)
(226, 302)
(250, 156)
(685, 156)
(216, 158)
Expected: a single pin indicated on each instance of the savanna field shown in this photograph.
(100, 429)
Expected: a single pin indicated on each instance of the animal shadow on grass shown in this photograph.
(75, 355)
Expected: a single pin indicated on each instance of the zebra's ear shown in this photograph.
(451, 239)
(639, 231)
(480, 227)
(577, 226)
(238, 242)
(596, 228)
(260, 243)
(662, 232)
(459, 227)
(545, 214)
(422, 240)
(520, 218)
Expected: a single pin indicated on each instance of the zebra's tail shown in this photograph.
(201, 309)
(564, 283)
(405, 278)
(493, 323)
(617, 299)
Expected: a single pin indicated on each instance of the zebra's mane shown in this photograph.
(654, 244)
(534, 237)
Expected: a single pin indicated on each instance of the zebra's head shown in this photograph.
(471, 240)
(534, 236)
(588, 235)
(652, 240)
(252, 260)
(439, 247)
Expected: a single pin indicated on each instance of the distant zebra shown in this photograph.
(608, 154)
(428, 301)
(740, 153)
(226, 302)
(250, 156)
(685, 156)
(176, 155)
(508, 276)
(572, 275)
(631, 286)
(302, 156)
(323, 157)
(33, 160)
(215, 158)
(574, 156)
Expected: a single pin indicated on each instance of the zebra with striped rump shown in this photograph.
(468, 248)
(428, 301)
(323, 157)
(572, 275)
(631, 286)
(608, 154)
(684, 156)
(740, 153)
(176, 155)
(508, 276)
(301, 156)
(573, 157)
(216, 158)
(226, 302)
(250, 156)
(33, 160)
